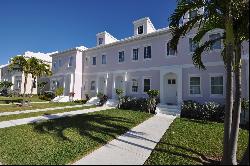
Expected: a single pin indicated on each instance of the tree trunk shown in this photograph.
(25, 84)
(228, 57)
(228, 107)
(237, 107)
(245, 159)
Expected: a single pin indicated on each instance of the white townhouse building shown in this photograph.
(145, 61)
(17, 78)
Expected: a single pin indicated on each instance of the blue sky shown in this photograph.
(51, 25)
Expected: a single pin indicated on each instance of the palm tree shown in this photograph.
(38, 69)
(20, 64)
(220, 14)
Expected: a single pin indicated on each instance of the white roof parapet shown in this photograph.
(80, 48)
(2, 66)
(105, 32)
(43, 56)
(143, 19)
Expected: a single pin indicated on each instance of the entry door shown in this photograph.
(102, 86)
(171, 94)
(67, 80)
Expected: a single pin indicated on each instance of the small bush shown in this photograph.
(103, 99)
(80, 101)
(48, 96)
(209, 111)
(59, 91)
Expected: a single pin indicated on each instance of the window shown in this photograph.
(121, 57)
(92, 85)
(71, 61)
(217, 85)
(193, 14)
(140, 30)
(134, 85)
(104, 59)
(135, 54)
(54, 65)
(217, 44)
(171, 81)
(60, 63)
(195, 86)
(147, 52)
(192, 45)
(19, 84)
(147, 84)
(94, 61)
(100, 41)
(170, 51)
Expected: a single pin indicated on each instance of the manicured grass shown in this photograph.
(34, 98)
(13, 107)
(65, 140)
(34, 114)
(189, 142)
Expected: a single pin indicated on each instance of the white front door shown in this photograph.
(102, 84)
(171, 90)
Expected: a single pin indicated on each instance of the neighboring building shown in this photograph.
(17, 78)
(67, 71)
(146, 61)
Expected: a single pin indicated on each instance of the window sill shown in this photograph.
(170, 56)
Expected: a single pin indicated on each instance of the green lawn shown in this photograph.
(13, 107)
(34, 98)
(34, 114)
(193, 142)
(65, 140)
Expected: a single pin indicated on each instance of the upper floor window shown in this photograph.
(121, 57)
(195, 86)
(217, 85)
(100, 41)
(71, 61)
(60, 63)
(94, 61)
(135, 56)
(146, 84)
(193, 14)
(217, 44)
(140, 30)
(192, 45)
(147, 52)
(54, 65)
(170, 51)
(104, 59)
(134, 85)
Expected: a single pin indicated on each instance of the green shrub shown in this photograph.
(59, 91)
(80, 101)
(210, 111)
(48, 96)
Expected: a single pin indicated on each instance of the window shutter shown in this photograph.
(145, 52)
(168, 48)
(149, 51)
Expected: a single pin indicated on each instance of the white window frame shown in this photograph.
(137, 30)
(131, 87)
(143, 78)
(210, 85)
(92, 61)
(132, 54)
(212, 33)
(147, 45)
(166, 51)
(201, 92)
(104, 54)
(123, 56)
(71, 58)
(92, 90)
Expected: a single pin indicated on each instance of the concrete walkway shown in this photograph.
(38, 110)
(132, 148)
(18, 122)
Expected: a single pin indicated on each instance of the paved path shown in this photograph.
(18, 122)
(38, 110)
(132, 148)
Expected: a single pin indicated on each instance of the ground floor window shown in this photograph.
(92, 86)
(217, 85)
(147, 84)
(195, 86)
(134, 86)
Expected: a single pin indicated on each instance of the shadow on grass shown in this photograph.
(87, 125)
(195, 156)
